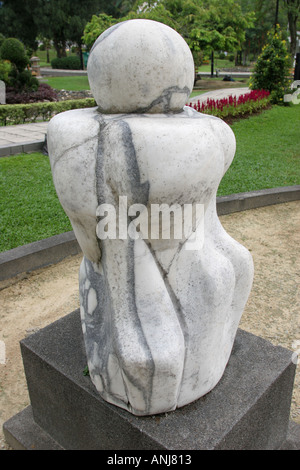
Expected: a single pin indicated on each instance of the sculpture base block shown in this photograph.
(248, 409)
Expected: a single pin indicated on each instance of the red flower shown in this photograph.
(211, 104)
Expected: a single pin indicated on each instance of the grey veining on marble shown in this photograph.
(140, 66)
(159, 320)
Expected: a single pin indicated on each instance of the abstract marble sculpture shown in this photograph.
(159, 320)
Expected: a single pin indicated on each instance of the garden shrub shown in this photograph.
(22, 113)
(70, 63)
(19, 77)
(271, 71)
(22, 81)
(5, 70)
(13, 50)
(2, 38)
(44, 92)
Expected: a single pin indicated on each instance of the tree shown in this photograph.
(99, 23)
(58, 20)
(266, 15)
(95, 27)
(64, 20)
(272, 67)
(115, 8)
(293, 13)
(222, 27)
(206, 25)
(17, 20)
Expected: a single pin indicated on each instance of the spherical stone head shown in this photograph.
(140, 66)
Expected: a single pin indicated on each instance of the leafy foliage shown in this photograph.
(13, 50)
(18, 77)
(271, 70)
(22, 113)
(70, 62)
(221, 26)
(97, 26)
(5, 70)
(43, 93)
(293, 14)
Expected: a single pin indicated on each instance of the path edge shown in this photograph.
(36, 255)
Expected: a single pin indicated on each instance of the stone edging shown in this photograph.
(54, 249)
(25, 147)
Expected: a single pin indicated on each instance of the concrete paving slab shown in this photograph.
(40, 127)
(4, 142)
(21, 132)
(22, 138)
(17, 138)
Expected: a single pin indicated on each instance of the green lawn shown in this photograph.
(76, 83)
(218, 64)
(268, 152)
(29, 207)
(268, 155)
(197, 92)
(42, 55)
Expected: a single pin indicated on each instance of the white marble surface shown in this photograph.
(140, 66)
(159, 321)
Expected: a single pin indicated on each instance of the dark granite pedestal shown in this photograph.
(248, 409)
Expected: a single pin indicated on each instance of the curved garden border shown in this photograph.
(51, 250)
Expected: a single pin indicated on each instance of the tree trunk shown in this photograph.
(293, 32)
(60, 47)
(80, 56)
(293, 10)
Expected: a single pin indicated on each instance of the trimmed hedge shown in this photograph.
(24, 113)
(66, 63)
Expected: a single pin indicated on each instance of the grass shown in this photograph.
(29, 207)
(42, 55)
(267, 156)
(196, 93)
(78, 83)
(75, 83)
(268, 152)
(218, 64)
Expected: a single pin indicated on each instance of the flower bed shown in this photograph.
(233, 107)
(42, 94)
(226, 108)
